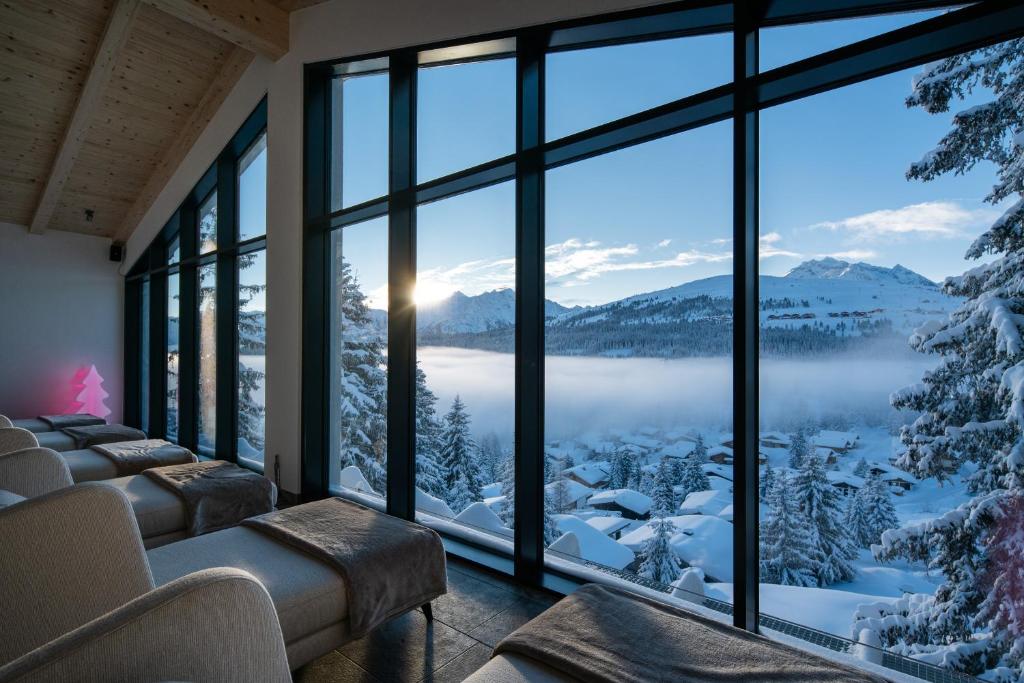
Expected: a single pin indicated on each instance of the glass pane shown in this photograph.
(876, 400)
(252, 190)
(585, 88)
(359, 169)
(781, 45)
(252, 354)
(359, 326)
(174, 251)
(638, 375)
(173, 295)
(466, 115)
(144, 358)
(207, 408)
(465, 332)
(208, 224)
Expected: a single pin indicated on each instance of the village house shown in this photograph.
(627, 502)
(840, 442)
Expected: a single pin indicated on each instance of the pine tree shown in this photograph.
(430, 474)
(508, 490)
(819, 502)
(252, 341)
(694, 478)
(861, 469)
(788, 556)
(551, 532)
(1003, 606)
(621, 469)
(491, 457)
(858, 519)
(881, 514)
(970, 405)
(659, 561)
(664, 496)
(798, 449)
(458, 459)
(361, 411)
(767, 481)
(700, 449)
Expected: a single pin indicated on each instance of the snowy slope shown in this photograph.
(460, 313)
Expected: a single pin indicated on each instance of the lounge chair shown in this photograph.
(312, 599)
(161, 515)
(45, 423)
(80, 602)
(15, 439)
(63, 440)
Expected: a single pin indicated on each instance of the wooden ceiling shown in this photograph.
(100, 100)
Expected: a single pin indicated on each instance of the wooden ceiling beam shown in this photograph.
(233, 68)
(115, 35)
(258, 26)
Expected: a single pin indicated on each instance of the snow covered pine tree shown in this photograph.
(972, 404)
(819, 503)
(660, 562)
(458, 459)
(787, 554)
(870, 512)
(430, 474)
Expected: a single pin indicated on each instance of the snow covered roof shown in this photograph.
(775, 437)
(845, 478)
(823, 452)
(680, 449)
(705, 503)
(716, 470)
(574, 491)
(702, 541)
(352, 478)
(591, 473)
(479, 516)
(432, 506)
(723, 450)
(608, 525)
(726, 513)
(625, 498)
(835, 440)
(590, 544)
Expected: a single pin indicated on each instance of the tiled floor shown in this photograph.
(479, 610)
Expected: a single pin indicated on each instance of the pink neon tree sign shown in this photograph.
(89, 396)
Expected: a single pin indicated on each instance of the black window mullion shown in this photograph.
(133, 321)
(745, 322)
(401, 399)
(529, 335)
(158, 356)
(188, 332)
(227, 310)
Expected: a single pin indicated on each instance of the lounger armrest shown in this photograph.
(213, 625)
(5, 422)
(32, 472)
(15, 439)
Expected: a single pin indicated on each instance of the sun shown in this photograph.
(427, 292)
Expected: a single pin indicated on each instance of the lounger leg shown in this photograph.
(428, 611)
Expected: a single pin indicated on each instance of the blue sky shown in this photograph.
(659, 214)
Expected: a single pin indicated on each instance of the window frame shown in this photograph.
(182, 228)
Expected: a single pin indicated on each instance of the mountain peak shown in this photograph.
(829, 268)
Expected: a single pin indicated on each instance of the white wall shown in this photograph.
(61, 309)
(334, 29)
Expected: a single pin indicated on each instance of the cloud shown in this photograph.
(851, 255)
(664, 243)
(574, 262)
(767, 248)
(928, 219)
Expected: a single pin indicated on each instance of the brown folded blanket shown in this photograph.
(608, 635)
(389, 565)
(91, 435)
(132, 457)
(217, 494)
(77, 420)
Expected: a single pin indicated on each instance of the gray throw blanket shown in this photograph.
(64, 421)
(217, 494)
(607, 635)
(132, 457)
(389, 565)
(93, 435)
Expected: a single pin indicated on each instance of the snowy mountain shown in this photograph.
(821, 306)
(460, 314)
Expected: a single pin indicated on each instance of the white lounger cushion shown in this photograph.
(58, 441)
(88, 465)
(32, 424)
(157, 510)
(308, 594)
(510, 668)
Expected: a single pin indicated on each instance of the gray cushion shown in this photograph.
(32, 424)
(157, 510)
(510, 668)
(308, 594)
(8, 498)
(58, 441)
(88, 465)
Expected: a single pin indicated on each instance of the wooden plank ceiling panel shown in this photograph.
(49, 46)
(159, 79)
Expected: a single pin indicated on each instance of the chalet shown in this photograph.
(847, 484)
(775, 440)
(827, 455)
(568, 494)
(841, 442)
(705, 503)
(590, 474)
(899, 481)
(610, 526)
(719, 470)
(721, 454)
(627, 502)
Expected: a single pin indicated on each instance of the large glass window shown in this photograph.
(173, 354)
(207, 224)
(466, 115)
(465, 379)
(252, 354)
(358, 358)
(252, 190)
(638, 371)
(207, 353)
(360, 158)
